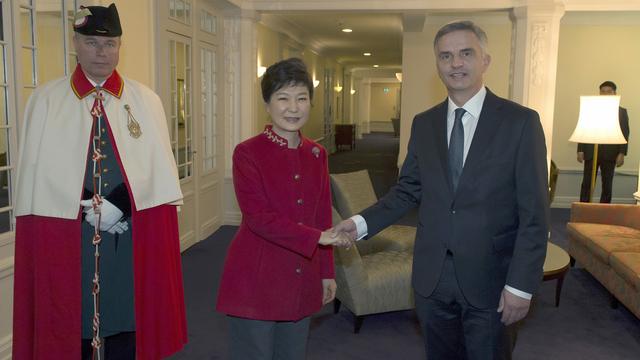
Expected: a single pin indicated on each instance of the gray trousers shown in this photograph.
(268, 340)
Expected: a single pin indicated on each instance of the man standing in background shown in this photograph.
(610, 156)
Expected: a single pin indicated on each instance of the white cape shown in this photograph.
(55, 140)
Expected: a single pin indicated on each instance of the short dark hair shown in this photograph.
(289, 72)
(464, 25)
(610, 84)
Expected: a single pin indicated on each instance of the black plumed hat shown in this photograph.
(98, 21)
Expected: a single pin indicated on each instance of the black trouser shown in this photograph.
(455, 330)
(120, 346)
(606, 170)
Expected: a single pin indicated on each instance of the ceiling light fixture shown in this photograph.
(347, 30)
(376, 66)
(367, 54)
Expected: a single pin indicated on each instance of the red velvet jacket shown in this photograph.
(274, 265)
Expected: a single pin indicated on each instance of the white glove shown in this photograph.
(110, 214)
(119, 228)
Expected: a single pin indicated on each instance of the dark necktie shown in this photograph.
(456, 148)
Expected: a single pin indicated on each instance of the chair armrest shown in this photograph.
(393, 238)
(610, 214)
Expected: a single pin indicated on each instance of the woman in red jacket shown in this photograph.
(279, 267)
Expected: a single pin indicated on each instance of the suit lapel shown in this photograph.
(482, 138)
(440, 134)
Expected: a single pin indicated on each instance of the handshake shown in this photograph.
(344, 234)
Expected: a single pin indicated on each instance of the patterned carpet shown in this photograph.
(583, 327)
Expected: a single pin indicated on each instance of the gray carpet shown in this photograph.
(583, 327)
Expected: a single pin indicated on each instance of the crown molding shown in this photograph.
(434, 5)
(296, 33)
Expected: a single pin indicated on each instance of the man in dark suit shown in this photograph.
(476, 167)
(609, 156)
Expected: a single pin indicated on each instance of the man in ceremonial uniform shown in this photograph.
(97, 252)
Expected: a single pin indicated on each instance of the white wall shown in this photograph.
(383, 102)
(136, 54)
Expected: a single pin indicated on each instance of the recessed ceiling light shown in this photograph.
(367, 54)
(347, 30)
(376, 65)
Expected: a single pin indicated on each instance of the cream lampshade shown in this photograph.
(598, 123)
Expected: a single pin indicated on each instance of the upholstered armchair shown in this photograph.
(373, 277)
(353, 192)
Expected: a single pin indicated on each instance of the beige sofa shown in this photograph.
(605, 239)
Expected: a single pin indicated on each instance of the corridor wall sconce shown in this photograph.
(353, 91)
(337, 88)
(399, 76)
(261, 70)
(316, 83)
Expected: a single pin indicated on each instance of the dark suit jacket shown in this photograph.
(496, 223)
(609, 152)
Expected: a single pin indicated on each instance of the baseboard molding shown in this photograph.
(364, 127)
(232, 218)
(232, 215)
(381, 126)
(209, 227)
(579, 170)
(187, 240)
(6, 345)
(564, 202)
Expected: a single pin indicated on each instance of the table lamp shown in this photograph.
(598, 123)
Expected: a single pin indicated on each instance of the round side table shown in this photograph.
(556, 266)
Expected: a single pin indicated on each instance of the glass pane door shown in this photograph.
(180, 118)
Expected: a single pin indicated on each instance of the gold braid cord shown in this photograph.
(97, 156)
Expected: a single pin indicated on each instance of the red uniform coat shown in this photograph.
(47, 286)
(274, 266)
